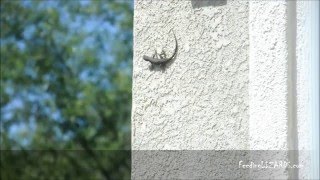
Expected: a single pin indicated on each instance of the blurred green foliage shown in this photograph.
(65, 89)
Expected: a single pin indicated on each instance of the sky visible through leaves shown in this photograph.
(66, 83)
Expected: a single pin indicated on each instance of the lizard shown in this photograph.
(163, 59)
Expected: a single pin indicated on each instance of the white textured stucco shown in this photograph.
(268, 75)
(270, 80)
(239, 80)
(200, 100)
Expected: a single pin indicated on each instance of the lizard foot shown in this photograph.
(163, 55)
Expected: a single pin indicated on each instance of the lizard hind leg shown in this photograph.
(151, 67)
(162, 66)
(163, 55)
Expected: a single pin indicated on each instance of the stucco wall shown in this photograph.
(238, 82)
(200, 100)
(268, 75)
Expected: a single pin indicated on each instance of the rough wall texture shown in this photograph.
(208, 98)
(269, 80)
(200, 100)
(268, 75)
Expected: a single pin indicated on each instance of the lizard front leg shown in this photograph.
(155, 55)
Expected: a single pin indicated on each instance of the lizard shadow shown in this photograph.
(162, 67)
(203, 3)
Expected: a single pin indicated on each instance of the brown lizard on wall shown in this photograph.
(161, 60)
